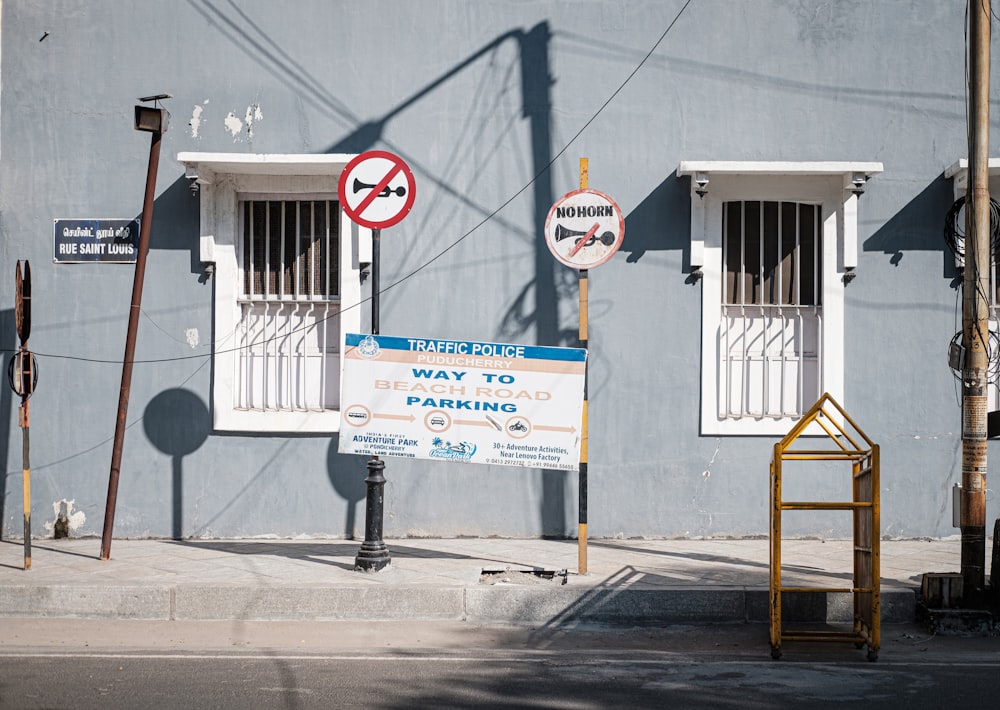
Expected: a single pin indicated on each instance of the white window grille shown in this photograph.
(288, 332)
(775, 244)
(286, 286)
(771, 309)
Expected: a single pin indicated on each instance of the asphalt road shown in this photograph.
(81, 664)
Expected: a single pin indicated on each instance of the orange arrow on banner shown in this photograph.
(473, 422)
(402, 417)
(567, 429)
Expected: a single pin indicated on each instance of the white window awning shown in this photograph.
(959, 172)
(780, 167)
(852, 177)
(202, 167)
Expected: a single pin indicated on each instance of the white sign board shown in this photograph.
(469, 402)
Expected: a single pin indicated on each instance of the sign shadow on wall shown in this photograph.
(177, 223)
(177, 423)
(919, 226)
(546, 284)
(661, 222)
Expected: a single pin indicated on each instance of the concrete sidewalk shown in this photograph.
(480, 580)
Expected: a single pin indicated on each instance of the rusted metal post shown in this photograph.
(975, 310)
(26, 478)
(22, 380)
(374, 555)
(130, 338)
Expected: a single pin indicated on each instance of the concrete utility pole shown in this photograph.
(975, 309)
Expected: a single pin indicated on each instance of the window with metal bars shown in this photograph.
(771, 309)
(288, 333)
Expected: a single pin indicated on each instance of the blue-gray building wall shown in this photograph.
(492, 104)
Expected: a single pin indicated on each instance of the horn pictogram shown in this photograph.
(562, 232)
(386, 191)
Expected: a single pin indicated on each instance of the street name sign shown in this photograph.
(86, 240)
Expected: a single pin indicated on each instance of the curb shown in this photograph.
(508, 604)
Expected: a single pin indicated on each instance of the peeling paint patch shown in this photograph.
(253, 115)
(234, 125)
(66, 519)
(192, 337)
(195, 121)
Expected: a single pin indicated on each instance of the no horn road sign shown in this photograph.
(376, 189)
(584, 229)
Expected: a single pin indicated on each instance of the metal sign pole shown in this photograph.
(24, 372)
(584, 229)
(374, 555)
(26, 476)
(376, 190)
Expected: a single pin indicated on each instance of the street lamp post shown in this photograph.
(151, 119)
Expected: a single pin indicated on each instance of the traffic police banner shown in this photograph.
(462, 401)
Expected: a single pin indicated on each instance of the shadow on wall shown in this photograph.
(661, 222)
(918, 226)
(546, 287)
(176, 422)
(546, 284)
(8, 343)
(176, 222)
(347, 474)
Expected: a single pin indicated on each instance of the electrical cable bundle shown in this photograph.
(954, 227)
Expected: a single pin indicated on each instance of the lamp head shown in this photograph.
(152, 119)
(858, 181)
(701, 180)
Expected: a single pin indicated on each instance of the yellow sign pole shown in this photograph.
(584, 299)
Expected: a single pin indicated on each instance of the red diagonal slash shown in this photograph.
(586, 238)
(382, 184)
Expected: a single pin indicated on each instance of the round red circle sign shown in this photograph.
(376, 189)
(584, 229)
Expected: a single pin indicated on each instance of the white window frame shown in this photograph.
(223, 179)
(831, 185)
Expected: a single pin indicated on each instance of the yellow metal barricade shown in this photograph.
(844, 441)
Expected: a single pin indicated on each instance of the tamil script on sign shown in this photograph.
(461, 401)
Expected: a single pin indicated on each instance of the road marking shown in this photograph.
(603, 656)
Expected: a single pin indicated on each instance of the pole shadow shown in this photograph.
(7, 346)
(347, 474)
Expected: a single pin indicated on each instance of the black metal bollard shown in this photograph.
(374, 555)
